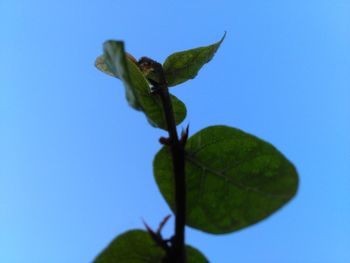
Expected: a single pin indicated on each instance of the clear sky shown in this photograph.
(76, 161)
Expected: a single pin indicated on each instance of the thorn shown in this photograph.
(184, 134)
(153, 235)
(162, 224)
(156, 236)
(148, 228)
(164, 141)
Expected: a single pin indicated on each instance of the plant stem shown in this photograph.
(178, 157)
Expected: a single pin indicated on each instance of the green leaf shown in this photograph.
(233, 179)
(136, 246)
(127, 71)
(115, 62)
(182, 66)
(195, 256)
(154, 110)
(100, 63)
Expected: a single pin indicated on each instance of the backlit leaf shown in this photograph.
(182, 66)
(233, 179)
(100, 63)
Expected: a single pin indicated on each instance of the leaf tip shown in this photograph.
(223, 37)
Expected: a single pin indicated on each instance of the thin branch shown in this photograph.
(178, 158)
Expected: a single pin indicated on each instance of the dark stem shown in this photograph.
(178, 157)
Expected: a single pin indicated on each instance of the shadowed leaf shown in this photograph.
(233, 179)
(136, 246)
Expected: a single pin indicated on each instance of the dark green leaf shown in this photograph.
(136, 246)
(194, 256)
(182, 66)
(154, 107)
(233, 179)
(115, 62)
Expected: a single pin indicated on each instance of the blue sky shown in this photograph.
(76, 161)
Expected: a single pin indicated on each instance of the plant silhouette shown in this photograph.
(218, 180)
